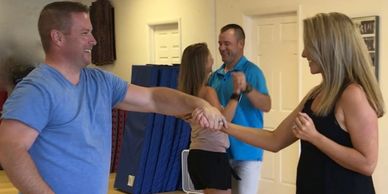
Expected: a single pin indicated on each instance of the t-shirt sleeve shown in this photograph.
(29, 104)
(257, 80)
(119, 88)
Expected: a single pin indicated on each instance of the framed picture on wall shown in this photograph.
(369, 29)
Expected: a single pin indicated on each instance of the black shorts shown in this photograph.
(209, 170)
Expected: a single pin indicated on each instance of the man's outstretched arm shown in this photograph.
(171, 102)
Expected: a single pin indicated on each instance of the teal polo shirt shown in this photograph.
(246, 114)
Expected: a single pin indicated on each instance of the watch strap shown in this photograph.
(236, 96)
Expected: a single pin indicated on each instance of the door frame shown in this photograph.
(151, 36)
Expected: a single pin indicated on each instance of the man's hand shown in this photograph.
(239, 82)
(209, 117)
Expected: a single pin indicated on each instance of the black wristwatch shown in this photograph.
(236, 96)
(247, 89)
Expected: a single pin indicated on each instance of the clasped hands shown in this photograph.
(239, 82)
(207, 117)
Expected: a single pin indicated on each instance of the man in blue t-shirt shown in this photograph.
(55, 136)
(252, 93)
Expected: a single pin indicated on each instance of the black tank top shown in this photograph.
(317, 173)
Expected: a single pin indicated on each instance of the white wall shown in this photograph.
(132, 18)
(19, 29)
(237, 11)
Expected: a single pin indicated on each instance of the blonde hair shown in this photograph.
(335, 43)
(192, 70)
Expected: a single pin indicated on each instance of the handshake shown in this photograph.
(207, 117)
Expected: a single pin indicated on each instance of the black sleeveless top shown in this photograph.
(317, 173)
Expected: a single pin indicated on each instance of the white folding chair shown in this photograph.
(187, 185)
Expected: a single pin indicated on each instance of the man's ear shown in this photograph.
(57, 37)
(241, 43)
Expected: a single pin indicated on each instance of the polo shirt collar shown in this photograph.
(238, 67)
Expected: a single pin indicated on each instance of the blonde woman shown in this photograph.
(337, 120)
(208, 162)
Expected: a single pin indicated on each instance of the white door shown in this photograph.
(276, 52)
(167, 47)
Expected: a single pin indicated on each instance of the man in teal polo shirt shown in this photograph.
(252, 93)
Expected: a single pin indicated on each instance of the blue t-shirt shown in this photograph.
(246, 114)
(73, 148)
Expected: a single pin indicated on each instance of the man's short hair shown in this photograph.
(57, 16)
(237, 29)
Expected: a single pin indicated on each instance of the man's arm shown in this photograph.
(259, 100)
(16, 139)
(171, 102)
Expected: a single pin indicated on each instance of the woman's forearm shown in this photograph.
(230, 110)
(347, 157)
(256, 137)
